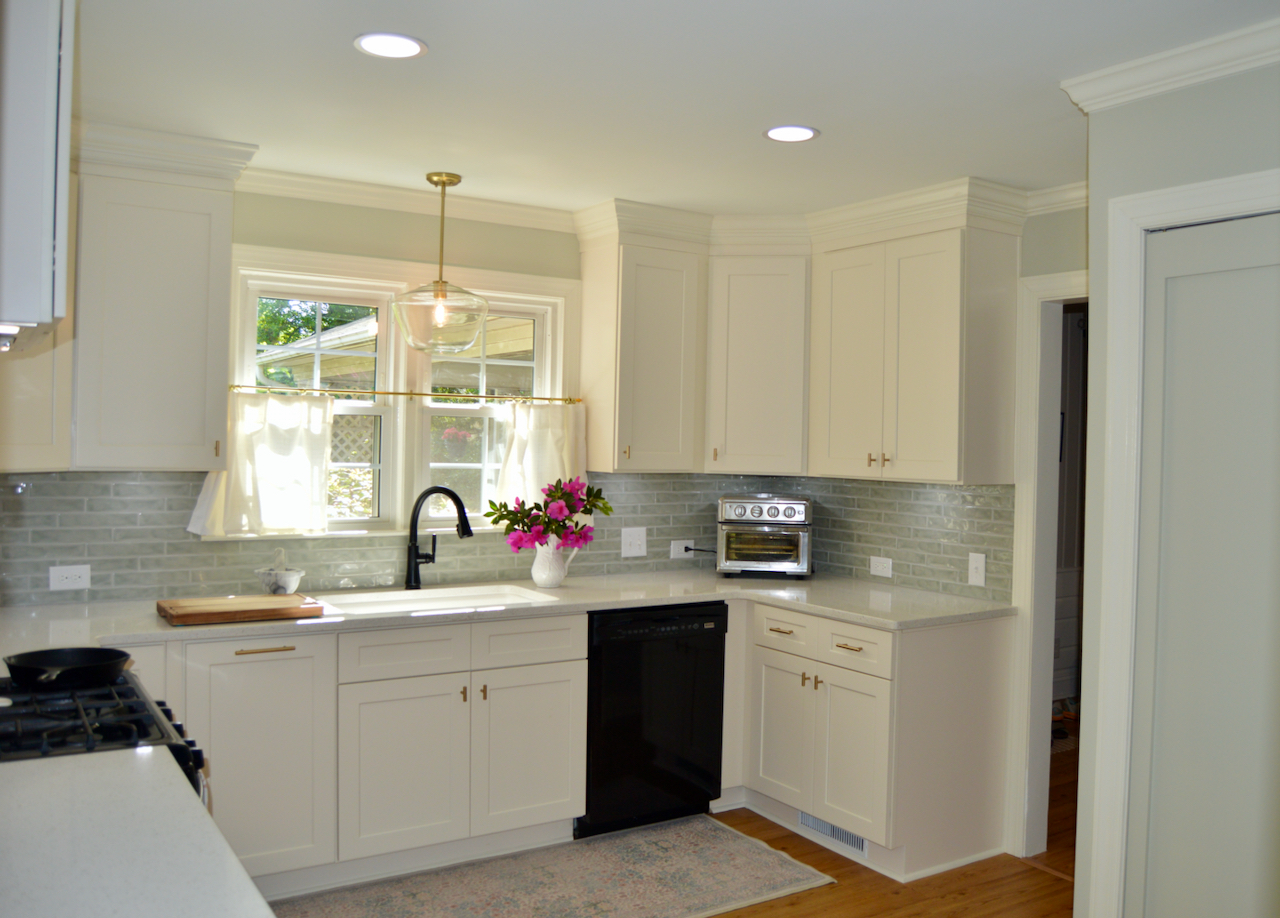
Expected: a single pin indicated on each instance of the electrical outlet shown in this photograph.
(70, 577)
(678, 548)
(977, 569)
(633, 542)
(881, 567)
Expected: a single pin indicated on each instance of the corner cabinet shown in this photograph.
(643, 365)
(912, 348)
(152, 325)
(756, 365)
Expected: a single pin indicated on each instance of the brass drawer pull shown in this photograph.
(240, 653)
(884, 460)
(484, 692)
(816, 682)
(870, 460)
(804, 679)
(781, 631)
(847, 647)
(464, 694)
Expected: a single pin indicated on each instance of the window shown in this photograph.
(320, 321)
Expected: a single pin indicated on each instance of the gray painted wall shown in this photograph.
(319, 226)
(1055, 243)
(1223, 128)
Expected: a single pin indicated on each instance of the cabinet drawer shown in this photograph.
(856, 647)
(782, 629)
(523, 641)
(397, 653)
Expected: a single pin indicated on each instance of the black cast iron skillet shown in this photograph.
(67, 667)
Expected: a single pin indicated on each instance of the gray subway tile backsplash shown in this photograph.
(129, 526)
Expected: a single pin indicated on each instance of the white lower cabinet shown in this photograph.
(263, 711)
(821, 741)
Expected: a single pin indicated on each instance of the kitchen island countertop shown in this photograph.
(863, 602)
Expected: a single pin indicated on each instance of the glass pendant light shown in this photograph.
(438, 317)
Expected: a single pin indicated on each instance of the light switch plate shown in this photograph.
(881, 567)
(977, 569)
(678, 546)
(633, 542)
(69, 577)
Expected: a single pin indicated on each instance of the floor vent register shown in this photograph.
(844, 836)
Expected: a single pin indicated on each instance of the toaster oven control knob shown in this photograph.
(756, 512)
(773, 511)
(789, 512)
(739, 510)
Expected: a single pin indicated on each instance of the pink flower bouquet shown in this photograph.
(529, 525)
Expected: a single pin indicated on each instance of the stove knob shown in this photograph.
(179, 728)
(739, 511)
(756, 511)
(197, 755)
(789, 512)
(773, 511)
(165, 710)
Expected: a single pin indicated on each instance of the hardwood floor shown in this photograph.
(1004, 886)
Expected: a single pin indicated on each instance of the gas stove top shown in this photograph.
(119, 715)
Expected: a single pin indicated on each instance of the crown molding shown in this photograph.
(112, 147)
(966, 201)
(619, 218)
(760, 230)
(1223, 55)
(1051, 200)
(411, 200)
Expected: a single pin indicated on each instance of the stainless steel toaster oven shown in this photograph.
(764, 533)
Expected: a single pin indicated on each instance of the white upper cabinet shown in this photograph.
(643, 356)
(756, 365)
(912, 359)
(153, 301)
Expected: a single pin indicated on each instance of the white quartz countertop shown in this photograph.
(861, 602)
(118, 833)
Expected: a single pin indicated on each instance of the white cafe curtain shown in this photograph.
(277, 469)
(544, 442)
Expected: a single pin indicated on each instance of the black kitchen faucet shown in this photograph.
(412, 578)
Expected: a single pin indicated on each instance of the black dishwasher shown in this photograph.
(655, 713)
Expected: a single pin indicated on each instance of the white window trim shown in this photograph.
(360, 280)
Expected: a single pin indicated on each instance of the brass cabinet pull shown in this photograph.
(217, 448)
(804, 679)
(484, 692)
(627, 452)
(715, 454)
(464, 694)
(240, 653)
(781, 631)
(816, 682)
(847, 647)
(871, 460)
(884, 460)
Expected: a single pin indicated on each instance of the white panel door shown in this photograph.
(846, 353)
(923, 344)
(851, 752)
(780, 735)
(528, 745)
(404, 764)
(1203, 832)
(153, 314)
(658, 357)
(264, 712)
(756, 368)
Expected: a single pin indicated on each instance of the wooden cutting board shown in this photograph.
(217, 609)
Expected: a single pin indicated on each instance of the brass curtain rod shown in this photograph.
(451, 395)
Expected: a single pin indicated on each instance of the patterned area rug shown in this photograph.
(687, 868)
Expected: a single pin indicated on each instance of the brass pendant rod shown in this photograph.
(237, 387)
(440, 277)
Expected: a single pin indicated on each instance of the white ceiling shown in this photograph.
(567, 103)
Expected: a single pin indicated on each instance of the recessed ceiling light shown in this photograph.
(791, 133)
(385, 44)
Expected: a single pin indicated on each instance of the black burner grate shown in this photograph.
(52, 722)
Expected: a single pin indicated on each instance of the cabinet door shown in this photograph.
(780, 750)
(528, 745)
(403, 764)
(659, 342)
(851, 753)
(847, 363)
(152, 325)
(756, 365)
(264, 712)
(922, 383)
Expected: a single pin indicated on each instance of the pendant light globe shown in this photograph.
(438, 317)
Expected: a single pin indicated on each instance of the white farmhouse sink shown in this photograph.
(435, 600)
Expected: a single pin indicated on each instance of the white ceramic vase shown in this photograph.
(550, 564)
